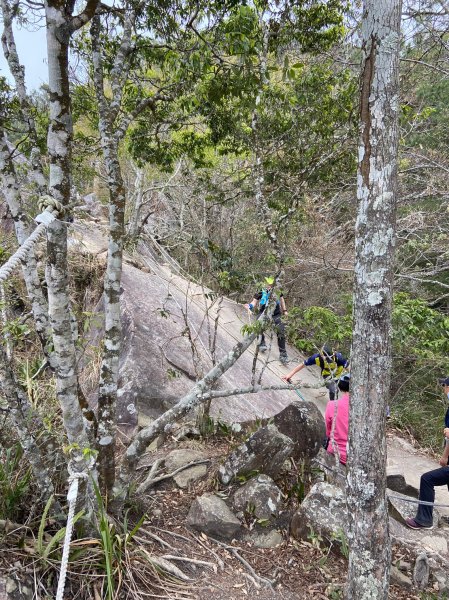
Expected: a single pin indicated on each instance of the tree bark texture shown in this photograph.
(369, 542)
(58, 20)
(107, 392)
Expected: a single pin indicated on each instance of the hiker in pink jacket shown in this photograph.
(337, 421)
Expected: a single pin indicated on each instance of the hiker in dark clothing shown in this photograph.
(331, 363)
(437, 477)
(259, 303)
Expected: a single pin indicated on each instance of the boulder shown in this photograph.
(303, 423)
(178, 458)
(210, 514)
(399, 578)
(323, 511)
(260, 495)
(264, 452)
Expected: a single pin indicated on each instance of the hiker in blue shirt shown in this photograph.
(258, 304)
(331, 363)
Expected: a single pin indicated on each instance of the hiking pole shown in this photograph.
(296, 390)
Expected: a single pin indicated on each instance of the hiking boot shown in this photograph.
(262, 348)
(414, 525)
(283, 358)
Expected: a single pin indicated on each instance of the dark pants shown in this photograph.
(332, 387)
(427, 493)
(279, 327)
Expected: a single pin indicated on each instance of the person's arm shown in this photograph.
(253, 304)
(283, 306)
(293, 372)
(445, 456)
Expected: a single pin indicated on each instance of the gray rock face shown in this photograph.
(323, 511)
(260, 495)
(265, 451)
(211, 515)
(304, 424)
(178, 458)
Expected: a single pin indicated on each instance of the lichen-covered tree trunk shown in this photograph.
(369, 542)
(11, 192)
(107, 390)
(18, 73)
(23, 419)
(59, 150)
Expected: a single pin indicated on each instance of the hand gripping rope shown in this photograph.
(50, 208)
(71, 499)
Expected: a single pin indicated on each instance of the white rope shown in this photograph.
(71, 499)
(44, 219)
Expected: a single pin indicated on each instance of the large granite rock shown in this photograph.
(259, 495)
(211, 515)
(323, 511)
(304, 424)
(264, 452)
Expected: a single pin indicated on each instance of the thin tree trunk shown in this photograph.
(107, 392)
(18, 73)
(34, 289)
(23, 418)
(369, 542)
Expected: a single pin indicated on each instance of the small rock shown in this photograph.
(178, 458)
(421, 571)
(399, 578)
(260, 495)
(265, 539)
(404, 565)
(157, 513)
(211, 515)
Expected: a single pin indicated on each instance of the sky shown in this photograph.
(32, 49)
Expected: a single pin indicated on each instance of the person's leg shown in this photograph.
(280, 332)
(429, 480)
(331, 386)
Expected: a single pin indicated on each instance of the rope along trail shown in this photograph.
(50, 208)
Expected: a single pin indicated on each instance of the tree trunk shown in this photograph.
(107, 392)
(59, 150)
(12, 195)
(23, 418)
(369, 542)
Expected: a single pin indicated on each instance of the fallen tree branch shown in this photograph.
(152, 480)
(258, 579)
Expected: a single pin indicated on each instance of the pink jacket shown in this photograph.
(338, 409)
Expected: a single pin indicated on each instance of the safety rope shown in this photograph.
(71, 499)
(410, 500)
(50, 208)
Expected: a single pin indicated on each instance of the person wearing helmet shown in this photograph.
(337, 421)
(437, 477)
(258, 305)
(331, 363)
